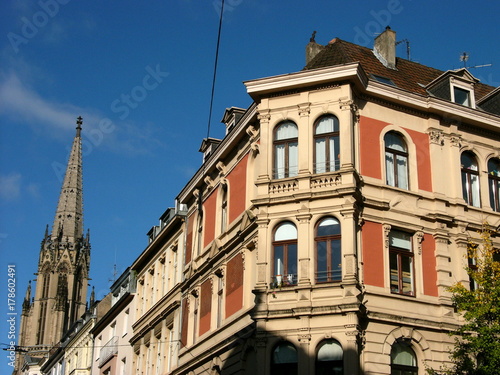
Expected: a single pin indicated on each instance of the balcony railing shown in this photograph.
(108, 350)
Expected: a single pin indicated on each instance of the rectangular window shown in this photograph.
(461, 96)
(401, 263)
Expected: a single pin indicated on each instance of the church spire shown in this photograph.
(69, 213)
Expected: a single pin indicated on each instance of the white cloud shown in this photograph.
(23, 104)
(10, 186)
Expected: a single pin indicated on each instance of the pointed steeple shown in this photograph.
(69, 213)
(27, 298)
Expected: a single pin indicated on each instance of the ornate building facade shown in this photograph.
(321, 234)
(60, 293)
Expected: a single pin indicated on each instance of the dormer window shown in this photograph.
(461, 96)
(456, 86)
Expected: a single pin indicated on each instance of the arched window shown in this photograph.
(470, 179)
(284, 360)
(494, 183)
(330, 358)
(328, 251)
(396, 160)
(326, 145)
(285, 254)
(403, 360)
(286, 158)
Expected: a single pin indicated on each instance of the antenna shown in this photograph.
(465, 57)
(407, 47)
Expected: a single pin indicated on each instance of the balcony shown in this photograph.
(108, 351)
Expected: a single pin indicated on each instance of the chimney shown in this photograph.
(385, 48)
(312, 48)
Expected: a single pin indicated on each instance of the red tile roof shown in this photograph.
(410, 76)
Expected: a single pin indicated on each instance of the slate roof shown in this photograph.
(410, 76)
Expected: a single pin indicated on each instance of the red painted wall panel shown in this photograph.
(205, 306)
(184, 323)
(237, 189)
(369, 139)
(210, 213)
(429, 265)
(373, 253)
(189, 239)
(234, 285)
(421, 141)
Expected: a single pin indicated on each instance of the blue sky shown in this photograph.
(61, 59)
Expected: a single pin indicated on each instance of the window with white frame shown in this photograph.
(286, 158)
(326, 144)
(461, 96)
(401, 259)
(470, 179)
(494, 183)
(396, 160)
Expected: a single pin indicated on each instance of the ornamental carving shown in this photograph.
(387, 229)
(221, 167)
(436, 137)
(252, 132)
(264, 117)
(456, 140)
(419, 236)
(304, 109)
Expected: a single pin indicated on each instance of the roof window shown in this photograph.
(381, 79)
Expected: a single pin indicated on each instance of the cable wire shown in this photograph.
(215, 68)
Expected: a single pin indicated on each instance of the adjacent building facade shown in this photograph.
(112, 353)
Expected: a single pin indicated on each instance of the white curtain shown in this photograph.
(402, 172)
(293, 159)
(279, 161)
(474, 179)
(320, 155)
(389, 169)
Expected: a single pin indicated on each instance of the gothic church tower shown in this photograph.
(63, 268)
